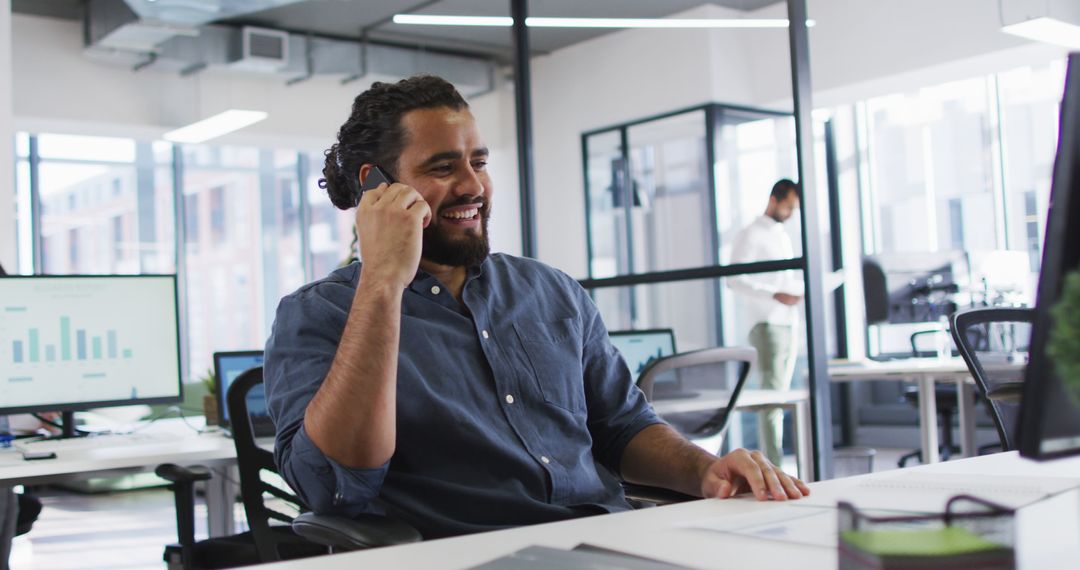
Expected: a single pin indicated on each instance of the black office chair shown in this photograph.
(263, 501)
(945, 399)
(993, 342)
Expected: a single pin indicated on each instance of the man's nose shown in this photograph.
(469, 184)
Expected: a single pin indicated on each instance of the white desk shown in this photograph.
(213, 450)
(925, 372)
(1048, 532)
(796, 400)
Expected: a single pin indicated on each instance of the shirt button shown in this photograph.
(545, 459)
(435, 289)
(509, 399)
(484, 333)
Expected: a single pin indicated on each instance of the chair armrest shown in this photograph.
(365, 531)
(177, 474)
(653, 496)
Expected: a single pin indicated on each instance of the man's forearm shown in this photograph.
(352, 418)
(661, 457)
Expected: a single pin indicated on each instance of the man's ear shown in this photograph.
(365, 169)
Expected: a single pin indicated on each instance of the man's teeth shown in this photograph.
(462, 214)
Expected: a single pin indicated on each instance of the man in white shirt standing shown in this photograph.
(770, 299)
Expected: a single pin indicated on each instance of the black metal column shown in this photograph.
(820, 409)
(523, 112)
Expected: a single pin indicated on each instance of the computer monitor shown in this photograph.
(641, 347)
(76, 342)
(1050, 410)
(227, 367)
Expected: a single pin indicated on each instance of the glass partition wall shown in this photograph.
(666, 197)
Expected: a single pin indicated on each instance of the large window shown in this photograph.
(961, 170)
(108, 205)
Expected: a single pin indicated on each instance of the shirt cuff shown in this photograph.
(329, 487)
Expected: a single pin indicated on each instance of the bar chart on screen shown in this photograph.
(86, 339)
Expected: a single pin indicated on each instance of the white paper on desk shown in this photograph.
(811, 525)
(928, 492)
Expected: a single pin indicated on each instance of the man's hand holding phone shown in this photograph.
(390, 220)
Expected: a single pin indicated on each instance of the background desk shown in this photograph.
(185, 447)
(925, 372)
(1048, 534)
(795, 400)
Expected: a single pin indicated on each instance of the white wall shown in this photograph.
(7, 151)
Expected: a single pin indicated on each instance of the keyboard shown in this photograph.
(105, 441)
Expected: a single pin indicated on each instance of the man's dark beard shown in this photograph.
(467, 251)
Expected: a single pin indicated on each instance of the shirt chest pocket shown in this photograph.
(553, 351)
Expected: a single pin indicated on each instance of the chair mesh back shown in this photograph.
(265, 495)
(994, 342)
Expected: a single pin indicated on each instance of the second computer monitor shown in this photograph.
(228, 366)
(639, 348)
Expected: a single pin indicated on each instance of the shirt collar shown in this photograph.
(424, 280)
(768, 222)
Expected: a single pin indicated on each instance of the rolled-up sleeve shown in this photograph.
(617, 409)
(299, 353)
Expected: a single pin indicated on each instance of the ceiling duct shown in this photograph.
(129, 33)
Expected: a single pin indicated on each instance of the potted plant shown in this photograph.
(1064, 344)
(209, 403)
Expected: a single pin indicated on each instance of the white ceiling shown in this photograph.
(352, 18)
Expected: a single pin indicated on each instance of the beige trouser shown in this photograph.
(776, 362)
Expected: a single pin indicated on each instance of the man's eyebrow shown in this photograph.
(453, 155)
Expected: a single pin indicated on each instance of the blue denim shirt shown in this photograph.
(512, 406)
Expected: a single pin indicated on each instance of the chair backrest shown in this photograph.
(993, 342)
(723, 369)
(254, 463)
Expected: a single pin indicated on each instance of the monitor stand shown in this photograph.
(67, 426)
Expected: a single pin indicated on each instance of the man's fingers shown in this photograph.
(421, 208)
(793, 491)
(772, 481)
(751, 471)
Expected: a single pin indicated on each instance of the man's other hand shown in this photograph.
(742, 470)
(787, 298)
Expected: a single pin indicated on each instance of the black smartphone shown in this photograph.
(375, 176)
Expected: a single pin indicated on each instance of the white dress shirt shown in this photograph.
(764, 239)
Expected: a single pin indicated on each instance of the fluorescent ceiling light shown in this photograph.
(422, 20)
(213, 127)
(1047, 30)
(535, 22)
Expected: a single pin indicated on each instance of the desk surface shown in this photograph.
(943, 369)
(1047, 535)
(184, 446)
(718, 399)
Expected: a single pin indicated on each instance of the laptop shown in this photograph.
(640, 348)
(227, 367)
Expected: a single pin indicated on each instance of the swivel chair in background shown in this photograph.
(993, 342)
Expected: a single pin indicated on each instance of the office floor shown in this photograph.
(128, 530)
(111, 531)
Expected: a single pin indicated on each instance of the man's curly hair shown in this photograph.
(373, 133)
